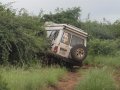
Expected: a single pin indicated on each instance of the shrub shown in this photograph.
(103, 47)
(19, 38)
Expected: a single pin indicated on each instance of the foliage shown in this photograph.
(21, 36)
(116, 29)
(103, 47)
(98, 30)
(97, 79)
(69, 16)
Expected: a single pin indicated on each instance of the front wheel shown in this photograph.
(79, 53)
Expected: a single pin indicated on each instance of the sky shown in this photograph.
(98, 9)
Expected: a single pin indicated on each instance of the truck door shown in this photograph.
(65, 44)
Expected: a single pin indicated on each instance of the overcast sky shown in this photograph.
(98, 9)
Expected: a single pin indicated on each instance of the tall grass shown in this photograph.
(97, 79)
(110, 61)
(31, 79)
(3, 84)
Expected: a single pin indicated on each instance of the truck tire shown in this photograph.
(79, 53)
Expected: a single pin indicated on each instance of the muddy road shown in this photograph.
(68, 82)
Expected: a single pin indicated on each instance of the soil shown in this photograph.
(117, 78)
(68, 82)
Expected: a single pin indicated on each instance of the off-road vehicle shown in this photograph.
(67, 41)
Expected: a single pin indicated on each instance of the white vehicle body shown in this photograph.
(66, 37)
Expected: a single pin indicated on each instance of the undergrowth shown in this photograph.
(97, 79)
(3, 84)
(110, 61)
(32, 78)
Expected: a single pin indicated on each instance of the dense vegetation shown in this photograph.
(22, 37)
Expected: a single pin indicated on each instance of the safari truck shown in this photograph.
(67, 41)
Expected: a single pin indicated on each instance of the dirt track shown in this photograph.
(68, 82)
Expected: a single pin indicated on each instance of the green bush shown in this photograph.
(97, 79)
(103, 47)
(21, 36)
(97, 29)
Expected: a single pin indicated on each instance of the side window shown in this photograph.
(66, 38)
(48, 33)
(53, 34)
(76, 40)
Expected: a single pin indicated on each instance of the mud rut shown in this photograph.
(68, 82)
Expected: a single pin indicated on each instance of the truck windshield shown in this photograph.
(52, 34)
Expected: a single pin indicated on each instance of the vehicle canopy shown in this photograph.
(70, 28)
